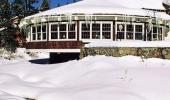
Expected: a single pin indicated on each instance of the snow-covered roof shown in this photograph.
(127, 7)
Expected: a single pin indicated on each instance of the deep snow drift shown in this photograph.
(92, 78)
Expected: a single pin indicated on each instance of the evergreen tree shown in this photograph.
(24, 7)
(5, 13)
(8, 11)
(18, 8)
(29, 8)
(7, 35)
(45, 5)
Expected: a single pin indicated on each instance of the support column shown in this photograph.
(78, 30)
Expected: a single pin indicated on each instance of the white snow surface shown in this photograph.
(20, 55)
(92, 78)
(166, 2)
(126, 7)
(128, 43)
(6, 96)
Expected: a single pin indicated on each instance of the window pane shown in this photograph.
(106, 31)
(54, 27)
(63, 35)
(154, 36)
(138, 28)
(44, 28)
(38, 28)
(71, 35)
(85, 35)
(85, 27)
(38, 36)
(33, 30)
(129, 35)
(106, 35)
(96, 35)
(129, 28)
(71, 27)
(54, 35)
(138, 36)
(95, 31)
(44, 36)
(95, 27)
(120, 27)
(106, 27)
(33, 36)
(120, 35)
(154, 29)
(62, 27)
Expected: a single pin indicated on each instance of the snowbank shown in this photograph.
(20, 55)
(92, 78)
(128, 43)
(5, 96)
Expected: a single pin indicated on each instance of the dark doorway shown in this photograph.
(63, 57)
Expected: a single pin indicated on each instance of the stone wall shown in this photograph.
(146, 52)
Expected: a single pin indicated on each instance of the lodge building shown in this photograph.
(68, 28)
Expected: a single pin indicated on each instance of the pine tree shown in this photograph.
(8, 11)
(5, 13)
(18, 8)
(6, 35)
(29, 8)
(45, 5)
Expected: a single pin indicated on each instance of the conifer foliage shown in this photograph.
(11, 12)
(45, 5)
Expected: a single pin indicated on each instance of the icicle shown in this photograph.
(33, 21)
(91, 18)
(95, 19)
(125, 18)
(59, 19)
(150, 24)
(43, 19)
(87, 20)
(70, 19)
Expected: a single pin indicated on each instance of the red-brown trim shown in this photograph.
(55, 45)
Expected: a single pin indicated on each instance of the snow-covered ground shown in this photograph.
(92, 78)
(128, 43)
(20, 56)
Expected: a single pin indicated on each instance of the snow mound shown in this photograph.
(94, 77)
(6, 96)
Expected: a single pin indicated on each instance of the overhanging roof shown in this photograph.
(127, 7)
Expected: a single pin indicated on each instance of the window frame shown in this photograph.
(125, 30)
(101, 30)
(33, 33)
(36, 32)
(157, 38)
(67, 31)
(142, 32)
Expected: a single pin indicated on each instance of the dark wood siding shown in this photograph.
(55, 45)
